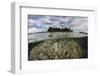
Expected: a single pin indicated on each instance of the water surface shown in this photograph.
(35, 37)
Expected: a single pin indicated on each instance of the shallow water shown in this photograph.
(49, 49)
(35, 37)
(41, 43)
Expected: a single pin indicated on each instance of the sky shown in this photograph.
(41, 23)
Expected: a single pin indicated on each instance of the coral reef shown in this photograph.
(56, 49)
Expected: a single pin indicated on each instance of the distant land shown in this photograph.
(54, 29)
(51, 29)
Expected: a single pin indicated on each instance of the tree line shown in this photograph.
(51, 29)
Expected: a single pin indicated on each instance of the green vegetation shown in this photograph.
(62, 48)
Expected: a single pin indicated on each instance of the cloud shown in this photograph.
(35, 17)
(40, 23)
(80, 24)
(34, 30)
